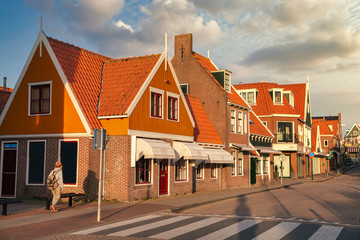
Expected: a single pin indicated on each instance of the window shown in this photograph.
(289, 97)
(265, 163)
(212, 170)
(355, 133)
(285, 132)
(200, 171)
(245, 123)
(180, 170)
(265, 123)
(233, 167)
(143, 171)
(240, 122)
(156, 105)
(227, 82)
(244, 95)
(277, 98)
(185, 87)
(326, 143)
(69, 160)
(173, 108)
(251, 98)
(233, 120)
(240, 163)
(258, 166)
(331, 127)
(40, 99)
(36, 162)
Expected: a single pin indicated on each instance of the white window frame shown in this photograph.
(240, 123)
(151, 175)
(227, 81)
(162, 93)
(245, 123)
(240, 154)
(234, 165)
(2, 162)
(77, 160)
(326, 143)
(187, 171)
(233, 121)
(201, 166)
(176, 96)
(28, 164)
(293, 130)
(32, 84)
(216, 171)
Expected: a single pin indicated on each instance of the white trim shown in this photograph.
(147, 134)
(292, 135)
(2, 163)
(133, 151)
(66, 84)
(187, 172)
(112, 117)
(145, 85)
(181, 94)
(77, 159)
(264, 125)
(30, 85)
(162, 93)
(47, 135)
(281, 115)
(28, 164)
(152, 163)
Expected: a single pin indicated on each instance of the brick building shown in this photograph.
(227, 111)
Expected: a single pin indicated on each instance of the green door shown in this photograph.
(253, 171)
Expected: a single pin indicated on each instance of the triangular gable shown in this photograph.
(42, 46)
(258, 127)
(352, 129)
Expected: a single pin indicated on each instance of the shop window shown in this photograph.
(213, 170)
(143, 171)
(180, 170)
(36, 162)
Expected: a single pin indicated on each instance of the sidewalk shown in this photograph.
(29, 220)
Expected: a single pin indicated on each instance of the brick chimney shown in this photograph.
(4, 84)
(183, 45)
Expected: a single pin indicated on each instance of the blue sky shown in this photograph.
(280, 41)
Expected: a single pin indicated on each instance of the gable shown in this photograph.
(64, 117)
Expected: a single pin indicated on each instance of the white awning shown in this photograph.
(268, 150)
(156, 149)
(243, 147)
(218, 156)
(189, 151)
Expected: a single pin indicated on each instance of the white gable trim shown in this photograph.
(43, 39)
(66, 84)
(351, 129)
(263, 125)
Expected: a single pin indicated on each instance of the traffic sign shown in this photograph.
(311, 154)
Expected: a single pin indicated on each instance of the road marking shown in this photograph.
(117, 224)
(278, 231)
(187, 228)
(326, 232)
(230, 230)
(149, 226)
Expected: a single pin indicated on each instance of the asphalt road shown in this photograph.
(335, 201)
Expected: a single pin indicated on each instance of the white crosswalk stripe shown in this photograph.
(114, 225)
(149, 226)
(230, 230)
(326, 233)
(187, 228)
(278, 231)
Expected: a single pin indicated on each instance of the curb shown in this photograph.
(185, 207)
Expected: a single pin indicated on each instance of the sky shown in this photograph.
(282, 41)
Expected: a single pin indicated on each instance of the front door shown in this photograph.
(8, 180)
(163, 185)
(252, 170)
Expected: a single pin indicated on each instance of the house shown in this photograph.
(352, 141)
(227, 111)
(262, 160)
(319, 163)
(285, 110)
(4, 95)
(65, 93)
(334, 141)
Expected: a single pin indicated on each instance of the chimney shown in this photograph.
(183, 45)
(4, 83)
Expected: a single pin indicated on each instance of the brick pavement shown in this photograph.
(39, 223)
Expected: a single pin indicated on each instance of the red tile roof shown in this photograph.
(206, 63)
(122, 79)
(204, 131)
(264, 103)
(324, 127)
(299, 91)
(257, 127)
(82, 69)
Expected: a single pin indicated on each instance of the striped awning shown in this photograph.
(243, 147)
(153, 148)
(189, 151)
(218, 156)
(352, 149)
(267, 150)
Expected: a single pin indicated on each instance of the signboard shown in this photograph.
(98, 144)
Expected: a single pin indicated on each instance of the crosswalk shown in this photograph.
(168, 226)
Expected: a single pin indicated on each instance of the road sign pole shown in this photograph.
(281, 166)
(100, 171)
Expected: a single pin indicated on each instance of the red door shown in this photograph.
(9, 170)
(163, 188)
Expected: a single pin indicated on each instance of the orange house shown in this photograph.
(65, 92)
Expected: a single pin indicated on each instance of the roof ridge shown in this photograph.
(133, 58)
(77, 48)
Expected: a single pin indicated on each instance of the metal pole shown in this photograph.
(312, 169)
(100, 173)
(281, 166)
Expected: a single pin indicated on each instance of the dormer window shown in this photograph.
(249, 95)
(224, 78)
(276, 95)
(289, 97)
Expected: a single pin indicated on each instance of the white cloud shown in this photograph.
(122, 25)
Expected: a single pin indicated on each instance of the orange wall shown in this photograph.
(63, 118)
(140, 118)
(117, 126)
